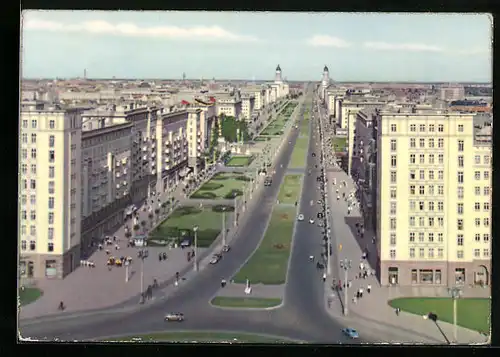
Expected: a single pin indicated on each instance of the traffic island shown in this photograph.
(239, 161)
(202, 336)
(224, 185)
(290, 189)
(299, 159)
(472, 313)
(245, 302)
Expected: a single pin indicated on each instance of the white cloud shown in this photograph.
(473, 52)
(417, 47)
(327, 41)
(198, 33)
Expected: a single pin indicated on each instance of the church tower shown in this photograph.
(277, 77)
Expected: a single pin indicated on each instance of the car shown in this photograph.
(215, 258)
(319, 215)
(311, 221)
(267, 183)
(320, 202)
(130, 210)
(313, 154)
(350, 332)
(226, 248)
(300, 218)
(185, 243)
(174, 316)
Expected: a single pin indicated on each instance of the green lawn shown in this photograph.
(298, 159)
(290, 189)
(471, 313)
(223, 301)
(29, 295)
(183, 219)
(238, 161)
(339, 144)
(224, 185)
(268, 265)
(203, 336)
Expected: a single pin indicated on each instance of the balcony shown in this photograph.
(117, 164)
(167, 159)
(118, 174)
(125, 183)
(118, 186)
(167, 151)
(153, 155)
(144, 148)
(153, 163)
(145, 157)
(153, 172)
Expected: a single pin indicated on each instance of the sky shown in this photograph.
(249, 45)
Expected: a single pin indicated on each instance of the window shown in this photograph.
(431, 128)
(477, 237)
(412, 189)
(421, 252)
(440, 190)
(412, 221)
(431, 221)
(33, 215)
(51, 187)
(440, 174)
(412, 174)
(52, 155)
(23, 245)
(421, 205)
(33, 184)
(440, 128)
(50, 247)
(24, 138)
(440, 159)
(486, 159)
(421, 221)
(440, 237)
(460, 208)
(486, 222)
(412, 252)
(431, 159)
(477, 175)
(34, 124)
(23, 200)
(421, 237)
(412, 158)
(412, 205)
(477, 222)
(24, 169)
(392, 240)
(477, 253)
(440, 206)
(52, 140)
(460, 177)
(24, 153)
(440, 252)
(431, 174)
(33, 169)
(460, 240)
(431, 252)
(477, 190)
(421, 128)
(486, 206)
(32, 245)
(486, 191)
(422, 143)
(486, 237)
(51, 202)
(460, 224)
(422, 158)
(33, 138)
(422, 174)
(24, 215)
(33, 200)
(393, 192)
(431, 237)
(393, 176)
(52, 170)
(460, 254)
(431, 190)
(460, 145)
(421, 190)
(393, 128)
(440, 143)
(486, 252)
(393, 223)
(431, 143)
(477, 159)
(486, 175)
(51, 217)
(412, 236)
(460, 128)
(393, 161)
(25, 123)
(33, 230)
(393, 145)
(412, 143)
(392, 253)
(393, 208)
(431, 206)
(52, 124)
(33, 153)
(50, 233)
(413, 127)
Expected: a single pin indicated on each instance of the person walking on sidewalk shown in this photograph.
(368, 288)
(324, 277)
(360, 292)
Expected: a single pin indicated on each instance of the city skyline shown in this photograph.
(403, 48)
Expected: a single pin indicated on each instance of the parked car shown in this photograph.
(215, 258)
(350, 332)
(174, 316)
(300, 218)
(130, 210)
(185, 243)
(311, 221)
(226, 248)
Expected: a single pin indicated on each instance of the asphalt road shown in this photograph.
(302, 317)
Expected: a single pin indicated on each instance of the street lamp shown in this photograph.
(223, 225)
(455, 293)
(143, 255)
(195, 230)
(346, 265)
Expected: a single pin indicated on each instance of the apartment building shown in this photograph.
(105, 180)
(49, 201)
(433, 198)
(258, 93)
(230, 106)
(195, 140)
(247, 106)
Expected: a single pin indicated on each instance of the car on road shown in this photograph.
(215, 258)
(319, 215)
(350, 332)
(130, 210)
(300, 218)
(226, 248)
(311, 220)
(185, 243)
(268, 182)
(174, 316)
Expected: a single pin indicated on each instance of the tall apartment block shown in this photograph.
(433, 198)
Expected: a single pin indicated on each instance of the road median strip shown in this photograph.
(245, 302)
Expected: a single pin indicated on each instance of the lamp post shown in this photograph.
(143, 255)
(195, 263)
(346, 265)
(235, 211)
(223, 226)
(455, 293)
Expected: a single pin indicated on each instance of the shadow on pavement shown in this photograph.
(442, 333)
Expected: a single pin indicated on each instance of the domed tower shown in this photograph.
(277, 77)
(326, 77)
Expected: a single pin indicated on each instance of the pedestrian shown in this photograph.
(324, 277)
(368, 288)
(354, 300)
(397, 311)
(360, 292)
(159, 257)
(164, 256)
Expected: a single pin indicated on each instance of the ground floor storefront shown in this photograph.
(47, 266)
